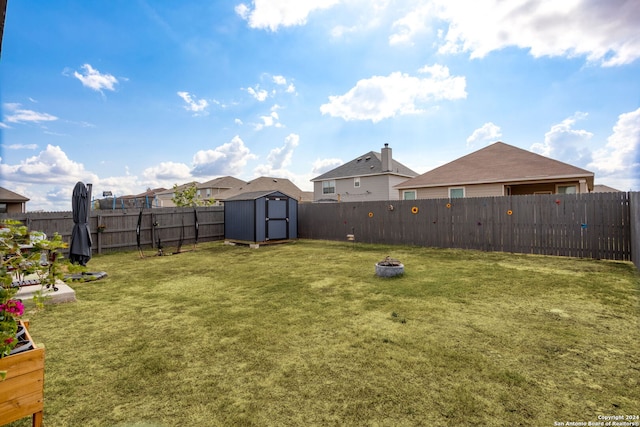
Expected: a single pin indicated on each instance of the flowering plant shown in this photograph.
(22, 254)
(11, 310)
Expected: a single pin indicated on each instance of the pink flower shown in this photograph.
(13, 307)
(8, 340)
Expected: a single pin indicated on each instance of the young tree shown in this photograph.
(188, 196)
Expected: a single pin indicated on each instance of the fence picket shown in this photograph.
(593, 225)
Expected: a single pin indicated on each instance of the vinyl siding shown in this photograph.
(378, 187)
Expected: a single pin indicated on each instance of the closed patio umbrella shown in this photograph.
(80, 247)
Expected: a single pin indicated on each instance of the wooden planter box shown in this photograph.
(22, 391)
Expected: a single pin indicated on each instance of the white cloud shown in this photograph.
(49, 166)
(279, 80)
(603, 31)
(95, 80)
(228, 159)
(411, 25)
(321, 166)
(272, 120)
(282, 81)
(487, 133)
(168, 171)
(280, 157)
(382, 97)
(257, 93)
(272, 14)
(22, 147)
(563, 142)
(16, 114)
(621, 155)
(197, 107)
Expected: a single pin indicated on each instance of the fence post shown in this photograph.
(634, 215)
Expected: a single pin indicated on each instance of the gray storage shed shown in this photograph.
(260, 217)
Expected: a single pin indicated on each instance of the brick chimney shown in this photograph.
(387, 163)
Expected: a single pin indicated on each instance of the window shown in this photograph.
(456, 192)
(356, 182)
(409, 195)
(208, 193)
(567, 189)
(3, 208)
(328, 187)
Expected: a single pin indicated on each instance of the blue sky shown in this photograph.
(136, 94)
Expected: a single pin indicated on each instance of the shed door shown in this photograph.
(277, 218)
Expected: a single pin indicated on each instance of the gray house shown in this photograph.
(371, 176)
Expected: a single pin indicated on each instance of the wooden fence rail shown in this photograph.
(116, 230)
(581, 225)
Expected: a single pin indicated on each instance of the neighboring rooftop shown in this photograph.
(10, 196)
(223, 182)
(368, 164)
(498, 162)
(266, 183)
(604, 189)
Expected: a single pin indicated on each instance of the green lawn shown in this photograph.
(304, 333)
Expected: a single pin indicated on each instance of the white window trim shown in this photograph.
(329, 181)
(356, 182)
(464, 192)
(415, 194)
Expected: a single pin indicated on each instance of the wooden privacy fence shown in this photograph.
(597, 225)
(593, 225)
(116, 230)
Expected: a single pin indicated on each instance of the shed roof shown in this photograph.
(367, 164)
(10, 196)
(498, 162)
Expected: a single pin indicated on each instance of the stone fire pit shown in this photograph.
(389, 267)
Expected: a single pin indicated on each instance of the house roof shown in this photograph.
(253, 195)
(223, 182)
(367, 164)
(604, 189)
(498, 162)
(269, 184)
(10, 196)
(179, 188)
(150, 193)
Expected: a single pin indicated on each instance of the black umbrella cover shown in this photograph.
(80, 247)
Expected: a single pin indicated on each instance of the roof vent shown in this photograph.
(357, 160)
(275, 180)
(368, 158)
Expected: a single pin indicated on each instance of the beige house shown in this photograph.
(371, 176)
(498, 170)
(216, 189)
(11, 202)
(164, 198)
